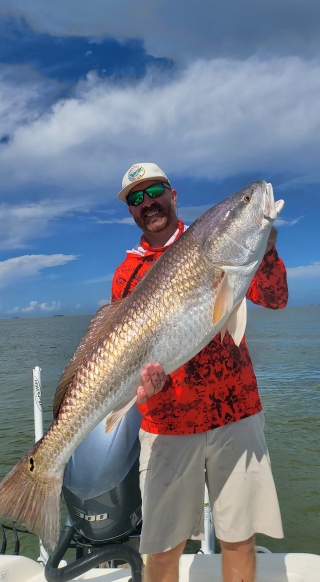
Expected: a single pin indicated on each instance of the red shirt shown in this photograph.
(218, 386)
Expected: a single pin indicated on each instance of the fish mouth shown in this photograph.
(271, 209)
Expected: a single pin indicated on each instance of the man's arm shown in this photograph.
(269, 286)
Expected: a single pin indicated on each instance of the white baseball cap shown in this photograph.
(140, 173)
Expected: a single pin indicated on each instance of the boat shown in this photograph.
(289, 567)
(103, 526)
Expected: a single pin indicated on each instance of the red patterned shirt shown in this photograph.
(218, 386)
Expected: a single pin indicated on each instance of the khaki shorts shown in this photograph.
(234, 462)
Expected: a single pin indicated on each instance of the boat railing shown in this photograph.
(38, 433)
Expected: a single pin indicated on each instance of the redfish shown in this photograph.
(196, 289)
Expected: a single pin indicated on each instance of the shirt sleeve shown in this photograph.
(269, 286)
(118, 284)
(126, 277)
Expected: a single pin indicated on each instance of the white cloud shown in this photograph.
(304, 272)
(300, 182)
(286, 222)
(103, 302)
(21, 96)
(53, 306)
(215, 119)
(21, 222)
(229, 27)
(35, 306)
(28, 266)
(108, 277)
(31, 307)
(129, 220)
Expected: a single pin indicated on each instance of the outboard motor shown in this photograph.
(101, 481)
(102, 494)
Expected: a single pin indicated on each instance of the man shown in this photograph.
(205, 420)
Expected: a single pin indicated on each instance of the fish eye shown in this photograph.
(247, 198)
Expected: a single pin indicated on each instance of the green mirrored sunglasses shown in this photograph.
(153, 191)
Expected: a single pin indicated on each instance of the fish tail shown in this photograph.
(31, 497)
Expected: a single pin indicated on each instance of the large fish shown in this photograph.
(195, 289)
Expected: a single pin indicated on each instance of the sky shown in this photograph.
(218, 95)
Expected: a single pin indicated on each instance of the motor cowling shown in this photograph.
(101, 482)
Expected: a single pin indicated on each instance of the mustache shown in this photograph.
(151, 208)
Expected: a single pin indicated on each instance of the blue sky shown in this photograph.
(217, 97)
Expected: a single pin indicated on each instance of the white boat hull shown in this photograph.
(193, 568)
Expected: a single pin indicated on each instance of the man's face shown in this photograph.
(154, 214)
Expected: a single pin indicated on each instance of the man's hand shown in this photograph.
(271, 240)
(153, 379)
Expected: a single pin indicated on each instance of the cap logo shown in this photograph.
(135, 173)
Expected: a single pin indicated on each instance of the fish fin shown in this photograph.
(224, 298)
(223, 332)
(98, 327)
(31, 497)
(236, 323)
(114, 417)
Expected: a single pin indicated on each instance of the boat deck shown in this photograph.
(193, 568)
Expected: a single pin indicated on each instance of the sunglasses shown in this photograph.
(153, 191)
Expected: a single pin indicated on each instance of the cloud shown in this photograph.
(28, 266)
(286, 222)
(24, 96)
(227, 28)
(20, 223)
(35, 306)
(103, 302)
(304, 272)
(129, 220)
(53, 306)
(242, 117)
(31, 307)
(108, 277)
(300, 182)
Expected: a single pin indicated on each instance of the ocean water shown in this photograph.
(285, 348)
